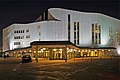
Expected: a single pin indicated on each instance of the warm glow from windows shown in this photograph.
(74, 50)
(30, 51)
(39, 51)
(60, 49)
(54, 49)
(44, 48)
(67, 48)
(71, 50)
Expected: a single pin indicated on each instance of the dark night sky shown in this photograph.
(27, 11)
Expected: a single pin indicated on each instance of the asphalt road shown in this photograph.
(105, 69)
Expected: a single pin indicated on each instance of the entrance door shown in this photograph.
(58, 56)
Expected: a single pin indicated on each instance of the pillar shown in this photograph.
(36, 54)
(65, 52)
(74, 55)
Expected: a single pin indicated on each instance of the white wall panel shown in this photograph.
(58, 30)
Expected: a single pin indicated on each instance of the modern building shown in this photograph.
(60, 31)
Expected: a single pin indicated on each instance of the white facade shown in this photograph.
(55, 28)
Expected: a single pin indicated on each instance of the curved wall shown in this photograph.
(57, 30)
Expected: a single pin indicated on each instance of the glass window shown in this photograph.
(74, 41)
(68, 34)
(19, 31)
(16, 43)
(78, 33)
(14, 31)
(78, 41)
(39, 33)
(92, 34)
(75, 32)
(69, 27)
(77, 25)
(74, 26)
(74, 35)
(19, 37)
(23, 31)
(117, 36)
(27, 30)
(99, 35)
(68, 17)
(96, 30)
(28, 36)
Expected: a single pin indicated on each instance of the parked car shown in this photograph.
(26, 58)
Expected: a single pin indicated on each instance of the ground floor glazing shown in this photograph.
(62, 51)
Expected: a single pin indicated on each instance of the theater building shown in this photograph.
(64, 34)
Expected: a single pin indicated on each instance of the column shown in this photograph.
(65, 52)
(36, 54)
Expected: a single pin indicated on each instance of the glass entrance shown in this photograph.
(57, 55)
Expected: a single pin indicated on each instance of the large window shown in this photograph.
(27, 30)
(69, 27)
(96, 33)
(28, 36)
(99, 34)
(110, 34)
(118, 37)
(78, 33)
(16, 43)
(39, 33)
(18, 37)
(96, 30)
(74, 32)
(92, 34)
(19, 31)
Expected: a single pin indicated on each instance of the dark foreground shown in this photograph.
(105, 69)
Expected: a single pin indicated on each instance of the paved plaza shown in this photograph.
(78, 69)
